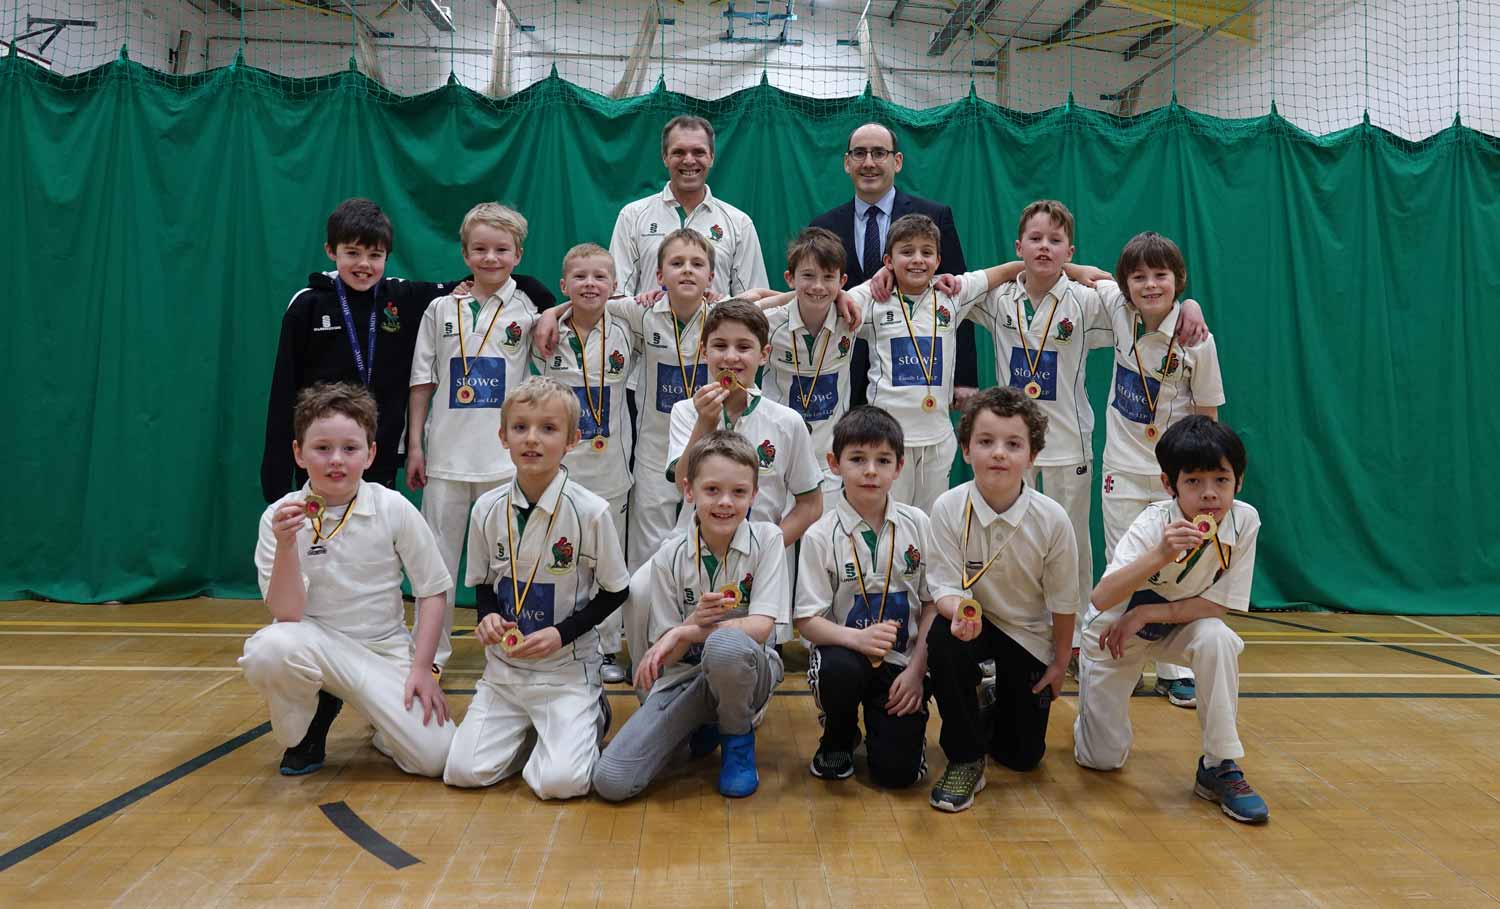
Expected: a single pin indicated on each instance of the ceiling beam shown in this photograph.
(1148, 39)
(1073, 21)
(965, 13)
(1089, 37)
(1201, 14)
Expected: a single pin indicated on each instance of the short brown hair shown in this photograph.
(725, 443)
(328, 398)
(909, 227)
(1054, 209)
(1004, 402)
(743, 312)
(587, 251)
(540, 390)
(820, 244)
(686, 234)
(1150, 249)
(687, 122)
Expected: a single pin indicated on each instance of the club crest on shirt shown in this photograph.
(562, 557)
(390, 318)
(1166, 368)
(745, 584)
(944, 317)
(913, 557)
(513, 334)
(616, 361)
(766, 452)
(1064, 331)
(844, 346)
(716, 233)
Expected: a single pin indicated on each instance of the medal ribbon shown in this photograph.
(969, 582)
(1135, 340)
(1032, 364)
(818, 370)
(482, 341)
(365, 371)
(596, 413)
(859, 571)
(317, 523)
(1191, 557)
(930, 363)
(688, 386)
(518, 596)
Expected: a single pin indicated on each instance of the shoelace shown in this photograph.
(965, 777)
(1236, 782)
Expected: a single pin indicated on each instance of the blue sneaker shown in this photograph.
(1226, 785)
(1180, 692)
(737, 776)
(704, 740)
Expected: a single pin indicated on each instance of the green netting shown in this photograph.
(1413, 65)
(156, 226)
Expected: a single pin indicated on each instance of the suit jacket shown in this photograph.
(840, 220)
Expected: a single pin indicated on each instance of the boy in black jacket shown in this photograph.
(350, 325)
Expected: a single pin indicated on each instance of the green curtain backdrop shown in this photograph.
(157, 226)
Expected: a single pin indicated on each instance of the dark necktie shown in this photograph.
(871, 258)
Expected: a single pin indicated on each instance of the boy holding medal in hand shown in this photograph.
(1182, 566)
(474, 346)
(330, 560)
(595, 354)
(717, 591)
(1004, 572)
(546, 562)
(867, 651)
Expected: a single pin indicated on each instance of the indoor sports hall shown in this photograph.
(1330, 173)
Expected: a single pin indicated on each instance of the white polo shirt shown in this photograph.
(1202, 574)
(463, 432)
(1035, 568)
(573, 558)
(841, 546)
(1192, 379)
(644, 223)
(353, 581)
(756, 564)
(782, 446)
(607, 356)
(667, 355)
(809, 373)
(1070, 319)
(899, 369)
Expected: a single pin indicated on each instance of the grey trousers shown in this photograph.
(732, 689)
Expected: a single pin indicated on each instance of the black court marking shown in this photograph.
(1262, 695)
(120, 802)
(366, 837)
(1399, 648)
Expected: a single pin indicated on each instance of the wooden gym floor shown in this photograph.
(136, 769)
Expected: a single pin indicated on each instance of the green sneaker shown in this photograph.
(958, 786)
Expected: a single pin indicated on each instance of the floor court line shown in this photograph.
(1465, 639)
(366, 837)
(1473, 670)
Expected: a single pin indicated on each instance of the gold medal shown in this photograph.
(731, 594)
(1151, 399)
(465, 394)
(859, 572)
(316, 511)
(512, 639)
(600, 443)
(929, 403)
(314, 504)
(1151, 431)
(1033, 390)
(929, 363)
(1206, 525)
(969, 610)
(727, 381)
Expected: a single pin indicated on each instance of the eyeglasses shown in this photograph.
(874, 154)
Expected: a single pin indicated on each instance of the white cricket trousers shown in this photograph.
(289, 662)
(1122, 498)
(924, 476)
(445, 506)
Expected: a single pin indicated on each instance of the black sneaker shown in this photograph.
(959, 784)
(828, 764)
(307, 755)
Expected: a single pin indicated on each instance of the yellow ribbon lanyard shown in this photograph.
(583, 343)
(518, 596)
(931, 362)
(463, 355)
(1033, 364)
(317, 523)
(1191, 556)
(698, 564)
(818, 369)
(969, 582)
(859, 571)
(688, 387)
(1151, 400)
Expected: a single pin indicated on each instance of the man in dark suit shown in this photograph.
(872, 160)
